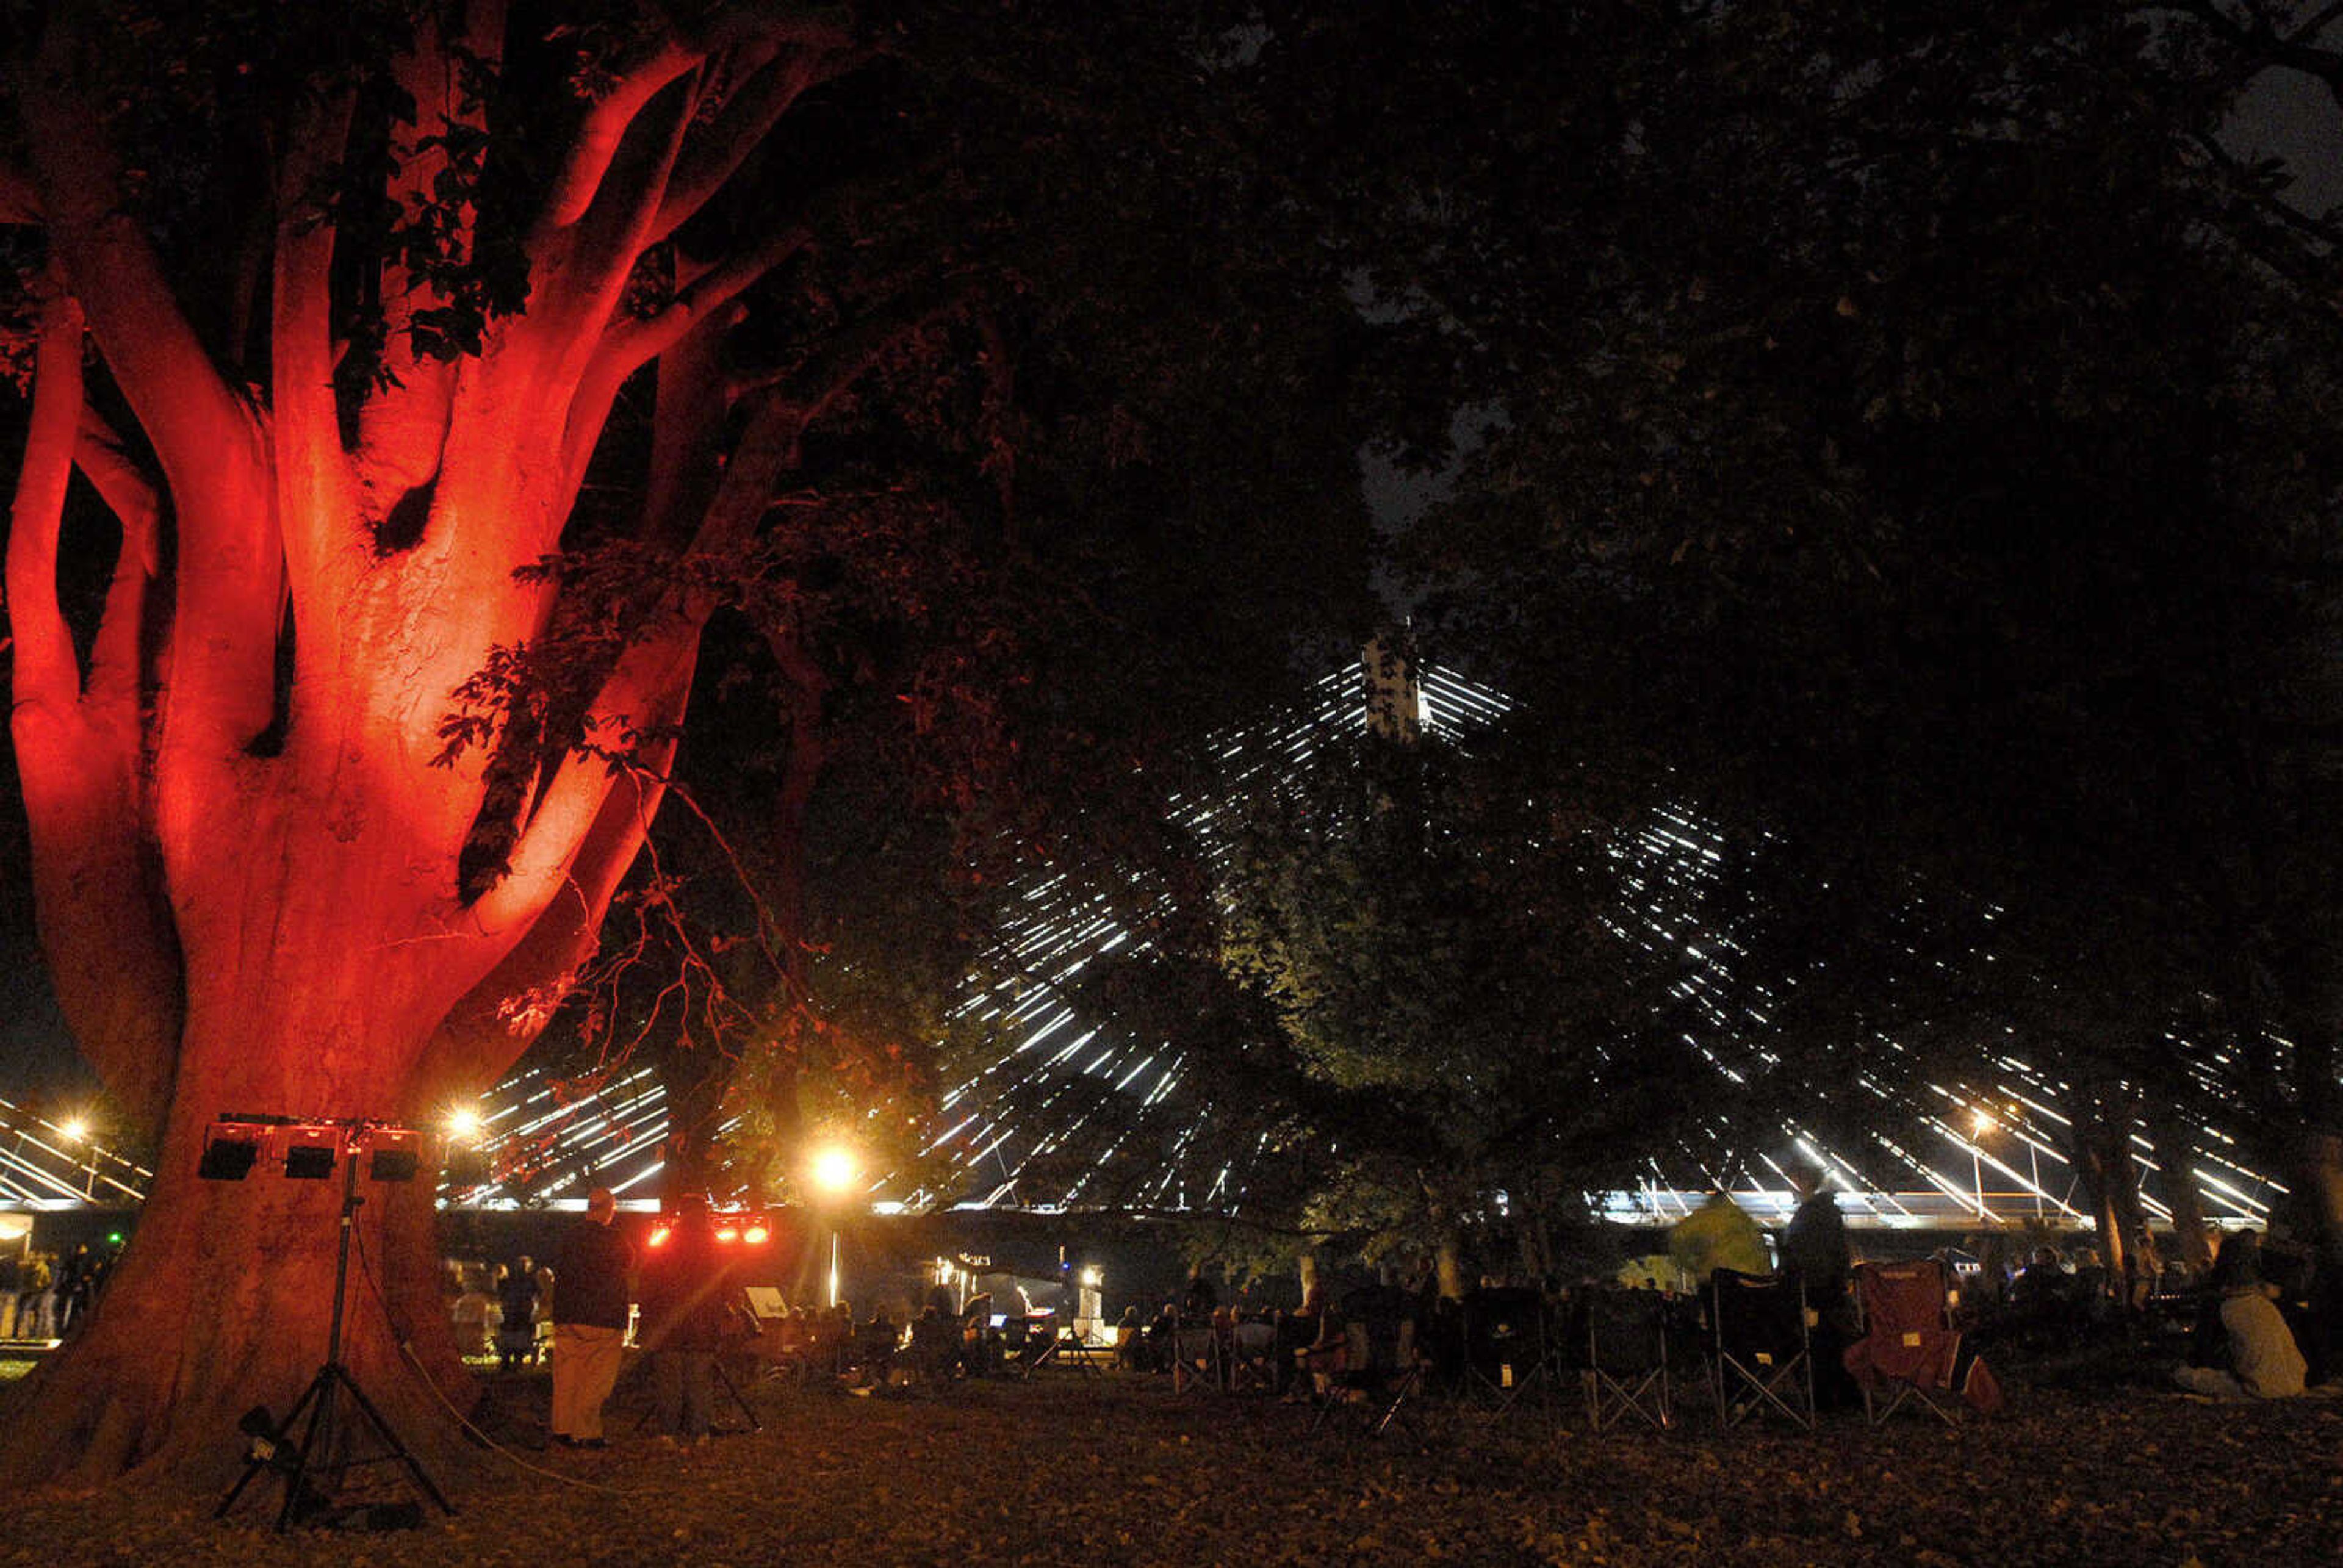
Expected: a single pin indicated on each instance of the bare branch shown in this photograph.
(315, 487)
(48, 674)
(110, 952)
(630, 345)
(571, 835)
(188, 412)
(713, 155)
(115, 666)
(605, 127)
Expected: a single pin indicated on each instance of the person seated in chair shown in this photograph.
(1321, 1357)
(2041, 1299)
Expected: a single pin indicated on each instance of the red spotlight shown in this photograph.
(658, 1236)
(729, 1233)
(755, 1235)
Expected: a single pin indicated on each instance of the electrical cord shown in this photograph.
(407, 1348)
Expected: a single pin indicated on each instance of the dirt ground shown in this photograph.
(1120, 1470)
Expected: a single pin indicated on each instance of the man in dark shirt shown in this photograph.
(687, 1293)
(592, 1273)
(1815, 1249)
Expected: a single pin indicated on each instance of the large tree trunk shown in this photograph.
(2192, 1238)
(223, 1300)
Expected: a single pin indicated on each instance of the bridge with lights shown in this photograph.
(1073, 1112)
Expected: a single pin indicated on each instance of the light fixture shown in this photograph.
(393, 1154)
(231, 1148)
(310, 1151)
(306, 1150)
(835, 1169)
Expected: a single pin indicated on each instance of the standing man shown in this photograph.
(591, 1272)
(1815, 1248)
(687, 1291)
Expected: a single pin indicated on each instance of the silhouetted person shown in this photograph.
(591, 1275)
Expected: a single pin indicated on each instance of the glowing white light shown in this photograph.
(835, 1169)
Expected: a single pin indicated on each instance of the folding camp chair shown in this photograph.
(1626, 1370)
(1507, 1350)
(1196, 1360)
(1909, 1352)
(1380, 1375)
(1252, 1356)
(1762, 1363)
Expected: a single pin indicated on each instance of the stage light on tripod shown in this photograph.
(393, 1154)
(310, 1152)
(230, 1150)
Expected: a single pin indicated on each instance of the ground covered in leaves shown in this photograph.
(1119, 1469)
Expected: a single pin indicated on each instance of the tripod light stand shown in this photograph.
(231, 1148)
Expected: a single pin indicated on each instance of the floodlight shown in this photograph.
(835, 1169)
(75, 1130)
(393, 1154)
(463, 1122)
(310, 1152)
(467, 1168)
(230, 1150)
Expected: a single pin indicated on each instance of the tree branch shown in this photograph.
(579, 184)
(185, 406)
(627, 347)
(104, 928)
(569, 835)
(314, 489)
(115, 667)
(48, 673)
(748, 117)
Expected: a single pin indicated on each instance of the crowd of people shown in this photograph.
(2258, 1324)
(2252, 1326)
(46, 1295)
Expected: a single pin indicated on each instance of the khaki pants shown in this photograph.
(585, 1367)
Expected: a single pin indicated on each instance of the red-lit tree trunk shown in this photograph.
(285, 896)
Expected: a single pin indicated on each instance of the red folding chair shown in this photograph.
(1910, 1353)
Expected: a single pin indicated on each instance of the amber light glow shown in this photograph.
(835, 1169)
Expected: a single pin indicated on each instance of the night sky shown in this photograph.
(2288, 115)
